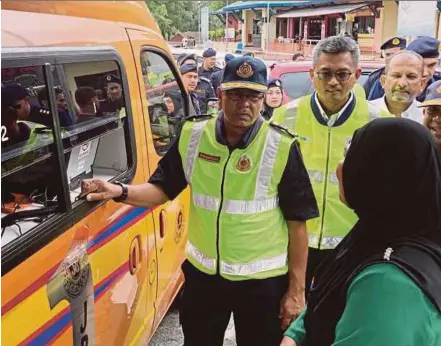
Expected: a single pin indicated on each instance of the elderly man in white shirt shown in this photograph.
(403, 81)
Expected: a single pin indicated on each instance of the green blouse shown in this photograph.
(384, 308)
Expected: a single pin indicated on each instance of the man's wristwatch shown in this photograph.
(125, 192)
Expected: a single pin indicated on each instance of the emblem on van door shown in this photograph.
(243, 164)
(75, 276)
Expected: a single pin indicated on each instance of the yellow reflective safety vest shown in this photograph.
(359, 91)
(236, 227)
(322, 148)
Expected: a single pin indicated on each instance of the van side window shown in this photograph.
(29, 171)
(166, 104)
(95, 144)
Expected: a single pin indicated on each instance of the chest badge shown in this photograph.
(243, 164)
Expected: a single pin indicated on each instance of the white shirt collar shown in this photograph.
(412, 112)
(334, 117)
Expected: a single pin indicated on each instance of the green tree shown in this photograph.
(174, 16)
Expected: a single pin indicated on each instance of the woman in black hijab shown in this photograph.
(273, 98)
(382, 284)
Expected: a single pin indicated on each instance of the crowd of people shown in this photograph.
(315, 222)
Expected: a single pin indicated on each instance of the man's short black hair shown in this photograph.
(83, 95)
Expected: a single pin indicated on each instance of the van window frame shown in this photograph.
(171, 63)
(31, 242)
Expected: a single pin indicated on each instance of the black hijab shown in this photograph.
(392, 180)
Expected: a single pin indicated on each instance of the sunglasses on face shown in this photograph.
(341, 76)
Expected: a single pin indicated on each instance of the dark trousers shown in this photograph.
(208, 300)
(315, 257)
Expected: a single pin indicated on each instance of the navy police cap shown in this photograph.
(111, 78)
(427, 47)
(433, 95)
(393, 43)
(209, 53)
(245, 72)
(11, 93)
(186, 68)
(275, 83)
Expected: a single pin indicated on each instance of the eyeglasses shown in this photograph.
(236, 97)
(341, 76)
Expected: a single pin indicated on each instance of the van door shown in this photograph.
(165, 106)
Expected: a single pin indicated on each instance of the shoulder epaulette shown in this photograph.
(284, 130)
(199, 117)
(205, 79)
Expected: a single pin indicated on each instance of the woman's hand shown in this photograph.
(287, 341)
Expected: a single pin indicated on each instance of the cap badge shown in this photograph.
(439, 90)
(245, 70)
(396, 41)
(277, 83)
(109, 78)
(439, 47)
(243, 164)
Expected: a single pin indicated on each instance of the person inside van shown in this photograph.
(114, 95)
(13, 131)
(62, 109)
(88, 103)
(176, 116)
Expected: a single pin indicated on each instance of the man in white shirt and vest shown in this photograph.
(403, 81)
(250, 200)
(325, 122)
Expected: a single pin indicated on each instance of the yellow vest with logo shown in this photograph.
(236, 227)
(322, 148)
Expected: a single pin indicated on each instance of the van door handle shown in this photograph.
(135, 255)
(162, 223)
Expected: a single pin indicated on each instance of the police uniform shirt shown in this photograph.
(412, 113)
(216, 79)
(204, 91)
(371, 81)
(296, 197)
(208, 73)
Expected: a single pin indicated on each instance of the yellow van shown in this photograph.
(83, 95)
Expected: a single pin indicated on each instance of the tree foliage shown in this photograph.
(174, 16)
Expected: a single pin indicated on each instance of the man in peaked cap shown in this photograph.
(190, 79)
(250, 197)
(204, 89)
(216, 77)
(388, 48)
(432, 111)
(209, 65)
(428, 48)
(114, 94)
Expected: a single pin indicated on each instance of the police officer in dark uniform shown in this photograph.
(388, 48)
(204, 89)
(114, 94)
(190, 78)
(18, 95)
(428, 48)
(216, 77)
(209, 65)
(261, 224)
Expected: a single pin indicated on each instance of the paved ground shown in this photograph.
(169, 332)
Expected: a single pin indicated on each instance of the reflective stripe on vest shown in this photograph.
(327, 243)
(266, 166)
(235, 206)
(193, 145)
(258, 266)
(206, 202)
(204, 260)
(250, 207)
